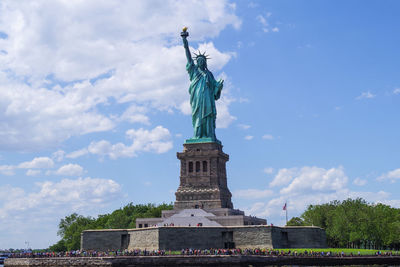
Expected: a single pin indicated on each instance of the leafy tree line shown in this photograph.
(354, 223)
(71, 227)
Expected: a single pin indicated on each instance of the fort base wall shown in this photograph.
(103, 240)
(177, 238)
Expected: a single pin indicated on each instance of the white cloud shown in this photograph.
(244, 126)
(283, 177)
(46, 204)
(219, 59)
(136, 59)
(359, 181)
(266, 27)
(70, 170)
(66, 195)
(297, 180)
(37, 117)
(243, 100)
(365, 95)
(396, 91)
(269, 170)
(267, 137)
(300, 187)
(77, 153)
(391, 202)
(248, 137)
(33, 172)
(37, 163)
(252, 5)
(224, 118)
(7, 170)
(157, 140)
(185, 107)
(272, 208)
(135, 114)
(392, 176)
(261, 19)
(253, 193)
(315, 179)
(58, 155)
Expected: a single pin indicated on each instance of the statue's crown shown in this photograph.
(203, 55)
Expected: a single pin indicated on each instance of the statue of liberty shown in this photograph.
(203, 90)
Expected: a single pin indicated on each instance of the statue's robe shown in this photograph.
(204, 90)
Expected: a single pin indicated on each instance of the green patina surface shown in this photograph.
(204, 90)
(202, 140)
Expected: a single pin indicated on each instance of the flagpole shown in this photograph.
(286, 212)
(285, 209)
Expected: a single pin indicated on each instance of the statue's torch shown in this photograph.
(184, 32)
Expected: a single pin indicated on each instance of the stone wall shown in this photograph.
(177, 238)
(252, 237)
(298, 237)
(278, 238)
(104, 240)
(59, 262)
(314, 237)
(147, 238)
(193, 261)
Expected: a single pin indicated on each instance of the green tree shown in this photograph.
(295, 221)
(59, 246)
(354, 223)
(71, 227)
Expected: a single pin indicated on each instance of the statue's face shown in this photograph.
(201, 62)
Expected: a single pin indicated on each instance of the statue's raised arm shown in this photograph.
(184, 35)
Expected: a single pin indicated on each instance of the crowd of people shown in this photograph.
(272, 252)
(194, 252)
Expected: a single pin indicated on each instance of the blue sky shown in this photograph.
(94, 105)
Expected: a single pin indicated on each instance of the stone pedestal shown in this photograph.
(203, 185)
(203, 182)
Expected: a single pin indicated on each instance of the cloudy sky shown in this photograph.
(94, 105)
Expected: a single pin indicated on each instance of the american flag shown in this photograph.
(284, 207)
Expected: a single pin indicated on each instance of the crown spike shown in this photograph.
(199, 54)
